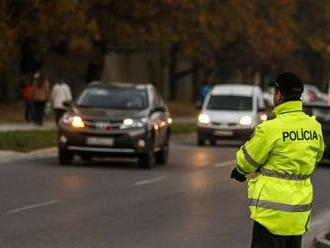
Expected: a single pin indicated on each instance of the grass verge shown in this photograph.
(25, 141)
(183, 128)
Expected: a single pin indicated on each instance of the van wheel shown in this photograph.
(64, 157)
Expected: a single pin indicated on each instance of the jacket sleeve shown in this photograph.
(319, 154)
(254, 153)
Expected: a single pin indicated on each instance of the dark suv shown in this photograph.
(110, 120)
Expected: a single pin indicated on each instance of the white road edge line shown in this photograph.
(226, 163)
(37, 205)
(152, 180)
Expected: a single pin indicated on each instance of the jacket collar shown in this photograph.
(287, 107)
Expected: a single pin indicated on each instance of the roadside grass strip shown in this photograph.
(27, 140)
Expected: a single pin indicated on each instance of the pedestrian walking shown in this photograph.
(40, 96)
(61, 92)
(283, 153)
(27, 96)
(204, 90)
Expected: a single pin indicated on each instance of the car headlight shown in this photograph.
(130, 123)
(77, 122)
(204, 119)
(245, 120)
(263, 117)
(66, 119)
(73, 120)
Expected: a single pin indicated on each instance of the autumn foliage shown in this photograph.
(220, 37)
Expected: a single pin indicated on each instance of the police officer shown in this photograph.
(283, 151)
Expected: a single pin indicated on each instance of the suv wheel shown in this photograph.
(213, 142)
(64, 157)
(162, 155)
(200, 141)
(146, 161)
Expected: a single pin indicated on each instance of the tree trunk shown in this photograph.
(172, 71)
(96, 64)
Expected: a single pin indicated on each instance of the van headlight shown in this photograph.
(263, 117)
(245, 120)
(204, 119)
(131, 123)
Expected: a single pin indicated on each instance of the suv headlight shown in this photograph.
(245, 120)
(204, 119)
(130, 123)
(77, 122)
(73, 120)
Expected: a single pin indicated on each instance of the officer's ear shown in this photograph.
(280, 96)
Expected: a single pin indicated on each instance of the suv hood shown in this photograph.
(108, 114)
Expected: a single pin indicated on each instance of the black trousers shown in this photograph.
(262, 238)
(29, 111)
(39, 112)
(58, 114)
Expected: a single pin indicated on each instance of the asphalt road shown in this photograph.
(191, 202)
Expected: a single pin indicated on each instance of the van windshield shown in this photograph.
(223, 102)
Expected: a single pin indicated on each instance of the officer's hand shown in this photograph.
(237, 176)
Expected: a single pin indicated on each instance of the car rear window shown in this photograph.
(224, 102)
(114, 98)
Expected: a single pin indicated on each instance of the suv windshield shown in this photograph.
(114, 98)
(223, 102)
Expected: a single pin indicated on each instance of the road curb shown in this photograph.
(321, 241)
(16, 156)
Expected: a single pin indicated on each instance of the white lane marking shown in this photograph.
(226, 163)
(151, 180)
(37, 205)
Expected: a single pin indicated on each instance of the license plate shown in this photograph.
(100, 141)
(224, 133)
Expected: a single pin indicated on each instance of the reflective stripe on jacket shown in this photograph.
(284, 152)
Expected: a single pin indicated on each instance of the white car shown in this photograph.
(230, 111)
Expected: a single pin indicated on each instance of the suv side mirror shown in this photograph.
(67, 104)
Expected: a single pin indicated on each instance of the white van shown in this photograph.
(230, 111)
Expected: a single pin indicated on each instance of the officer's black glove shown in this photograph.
(237, 176)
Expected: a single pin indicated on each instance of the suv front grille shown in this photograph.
(103, 125)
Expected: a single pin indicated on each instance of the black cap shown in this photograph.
(288, 83)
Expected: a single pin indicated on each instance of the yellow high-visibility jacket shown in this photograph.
(283, 152)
